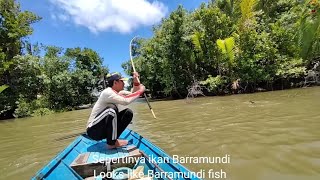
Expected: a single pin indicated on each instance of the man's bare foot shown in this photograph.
(119, 143)
(122, 142)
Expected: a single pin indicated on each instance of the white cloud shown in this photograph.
(103, 15)
(63, 17)
(53, 16)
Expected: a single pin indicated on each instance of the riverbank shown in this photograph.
(205, 93)
(208, 94)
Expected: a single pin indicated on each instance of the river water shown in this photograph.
(271, 135)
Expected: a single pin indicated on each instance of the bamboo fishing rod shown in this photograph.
(134, 70)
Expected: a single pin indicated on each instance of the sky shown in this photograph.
(106, 26)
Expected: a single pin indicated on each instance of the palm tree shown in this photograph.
(247, 13)
(309, 28)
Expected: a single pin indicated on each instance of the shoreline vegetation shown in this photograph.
(231, 47)
(222, 47)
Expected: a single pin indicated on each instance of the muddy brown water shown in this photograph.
(271, 135)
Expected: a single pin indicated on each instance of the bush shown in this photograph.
(215, 84)
(36, 107)
(42, 112)
(24, 108)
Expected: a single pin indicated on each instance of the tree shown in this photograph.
(262, 34)
(14, 27)
(85, 59)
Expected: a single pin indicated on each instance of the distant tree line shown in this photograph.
(37, 79)
(230, 46)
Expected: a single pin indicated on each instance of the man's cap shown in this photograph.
(115, 76)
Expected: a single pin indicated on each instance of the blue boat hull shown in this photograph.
(59, 167)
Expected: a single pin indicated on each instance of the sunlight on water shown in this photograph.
(272, 135)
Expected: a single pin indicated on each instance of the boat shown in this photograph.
(88, 159)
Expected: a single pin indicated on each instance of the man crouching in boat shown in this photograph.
(107, 121)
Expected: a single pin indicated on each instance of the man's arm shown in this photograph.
(135, 88)
(136, 83)
(117, 98)
(125, 93)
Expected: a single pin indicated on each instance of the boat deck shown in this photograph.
(102, 153)
(99, 159)
(84, 158)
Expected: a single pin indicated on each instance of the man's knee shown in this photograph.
(127, 113)
(112, 106)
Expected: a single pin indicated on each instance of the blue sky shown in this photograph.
(106, 26)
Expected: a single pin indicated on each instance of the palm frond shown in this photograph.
(226, 46)
(230, 43)
(3, 87)
(196, 40)
(309, 30)
(247, 7)
(222, 46)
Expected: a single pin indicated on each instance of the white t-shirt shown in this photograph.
(108, 96)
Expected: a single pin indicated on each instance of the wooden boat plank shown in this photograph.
(81, 159)
(133, 151)
(93, 157)
(81, 147)
(87, 140)
(130, 148)
(63, 170)
(70, 157)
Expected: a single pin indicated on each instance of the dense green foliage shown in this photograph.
(31, 84)
(231, 46)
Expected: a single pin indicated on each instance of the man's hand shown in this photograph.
(135, 78)
(142, 88)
